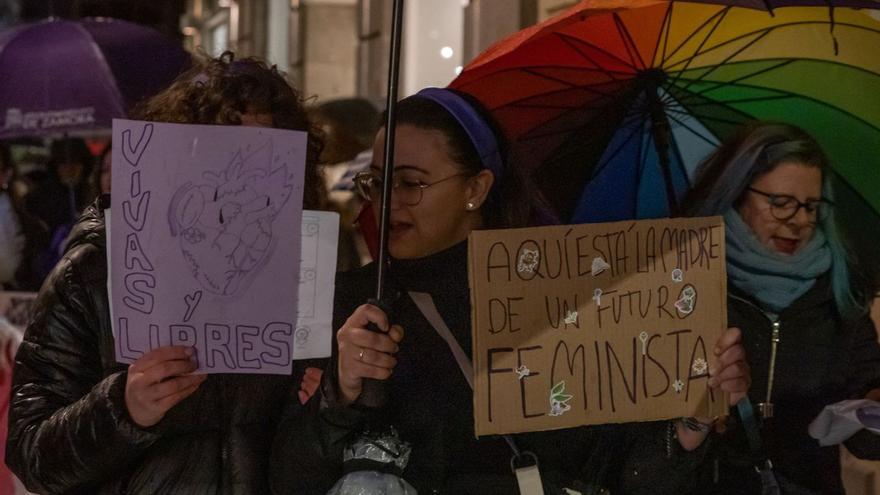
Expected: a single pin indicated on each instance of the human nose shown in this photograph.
(802, 216)
(395, 203)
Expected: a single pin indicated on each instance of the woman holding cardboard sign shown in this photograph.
(82, 423)
(452, 176)
(804, 318)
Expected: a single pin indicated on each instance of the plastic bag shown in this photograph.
(374, 465)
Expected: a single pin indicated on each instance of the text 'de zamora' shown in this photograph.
(591, 324)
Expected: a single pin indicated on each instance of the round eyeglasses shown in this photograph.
(784, 207)
(408, 192)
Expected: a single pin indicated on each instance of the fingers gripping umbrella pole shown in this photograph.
(374, 394)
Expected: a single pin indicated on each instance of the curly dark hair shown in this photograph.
(220, 90)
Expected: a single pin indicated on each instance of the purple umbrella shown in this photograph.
(59, 76)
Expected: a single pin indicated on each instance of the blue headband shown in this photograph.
(473, 124)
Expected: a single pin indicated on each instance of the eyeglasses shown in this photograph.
(784, 207)
(408, 192)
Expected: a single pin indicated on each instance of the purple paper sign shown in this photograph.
(204, 244)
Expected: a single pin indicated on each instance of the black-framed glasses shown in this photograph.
(407, 191)
(784, 207)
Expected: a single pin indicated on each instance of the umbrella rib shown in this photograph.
(102, 61)
(728, 121)
(628, 42)
(681, 167)
(742, 100)
(591, 89)
(721, 84)
(667, 27)
(641, 159)
(529, 135)
(760, 35)
(780, 92)
(694, 33)
(723, 14)
(782, 63)
(736, 53)
(560, 81)
(691, 129)
(568, 39)
(601, 165)
(810, 99)
(550, 66)
(587, 57)
(762, 32)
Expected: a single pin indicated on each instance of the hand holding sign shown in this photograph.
(731, 372)
(158, 381)
(364, 353)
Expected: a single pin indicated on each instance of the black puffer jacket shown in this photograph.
(69, 430)
(821, 359)
(431, 405)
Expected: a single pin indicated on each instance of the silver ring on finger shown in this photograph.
(361, 355)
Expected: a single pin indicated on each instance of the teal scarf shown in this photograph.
(775, 280)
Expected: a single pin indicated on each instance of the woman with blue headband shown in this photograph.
(452, 175)
(796, 294)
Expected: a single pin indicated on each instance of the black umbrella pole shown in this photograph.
(374, 394)
(390, 127)
(661, 132)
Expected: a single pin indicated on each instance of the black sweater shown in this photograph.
(431, 405)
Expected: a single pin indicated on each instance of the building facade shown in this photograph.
(340, 48)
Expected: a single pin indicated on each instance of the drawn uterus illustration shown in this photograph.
(224, 225)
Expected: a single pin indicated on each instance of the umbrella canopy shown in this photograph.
(65, 76)
(615, 102)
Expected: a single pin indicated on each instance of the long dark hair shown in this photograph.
(756, 149)
(513, 201)
(220, 90)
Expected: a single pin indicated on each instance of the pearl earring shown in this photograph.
(470, 205)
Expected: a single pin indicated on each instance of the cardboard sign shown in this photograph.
(590, 324)
(204, 248)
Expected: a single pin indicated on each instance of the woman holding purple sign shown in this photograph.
(453, 174)
(82, 423)
(796, 294)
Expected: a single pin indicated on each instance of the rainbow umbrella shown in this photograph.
(615, 102)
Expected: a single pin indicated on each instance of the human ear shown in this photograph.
(478, 188)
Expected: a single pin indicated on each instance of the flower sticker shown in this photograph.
(699, 367)
(678, 386)
(528, 261)
(559, 400)
(599, 266)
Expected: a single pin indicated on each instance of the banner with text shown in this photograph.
(591, 324)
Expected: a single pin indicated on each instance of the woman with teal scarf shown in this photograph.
(792, 290)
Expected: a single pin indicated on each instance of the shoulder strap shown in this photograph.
(426, 305)
(769, 485)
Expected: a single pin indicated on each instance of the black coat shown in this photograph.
(69, 430)
(431, 405)
(821, 359)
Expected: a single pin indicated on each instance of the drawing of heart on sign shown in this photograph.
(225, 224)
